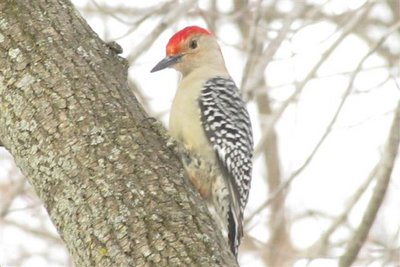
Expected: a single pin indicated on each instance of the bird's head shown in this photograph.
(190, 48)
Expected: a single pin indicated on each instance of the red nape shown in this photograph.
(173, 46)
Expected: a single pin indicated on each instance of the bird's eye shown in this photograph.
(193, 44)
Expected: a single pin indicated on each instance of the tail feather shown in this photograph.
(235, 231)
(230, 216)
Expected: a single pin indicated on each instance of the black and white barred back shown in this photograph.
(227, 126)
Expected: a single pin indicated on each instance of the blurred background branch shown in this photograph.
(384, 174)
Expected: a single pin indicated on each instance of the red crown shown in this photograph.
(173, 46)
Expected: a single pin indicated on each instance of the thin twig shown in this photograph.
(299, 88)
(257, 72)
(251, 43)
(168, 19)
(261, 89)
(320, 246)
(143, 100)
(8, 199)
(39, 232)
(131, 12)
(150, 14)
(210, 16)
(347, 92)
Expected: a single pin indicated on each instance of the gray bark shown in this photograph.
(115, 192)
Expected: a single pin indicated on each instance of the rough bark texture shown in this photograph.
(114, 190)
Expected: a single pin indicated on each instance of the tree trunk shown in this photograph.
(116, 193)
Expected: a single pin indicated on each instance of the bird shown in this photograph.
(210, 121)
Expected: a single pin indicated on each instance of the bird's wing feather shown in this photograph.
(227, 126)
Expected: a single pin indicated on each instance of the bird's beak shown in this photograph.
(166, 62)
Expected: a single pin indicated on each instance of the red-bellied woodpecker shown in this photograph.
(209, 118)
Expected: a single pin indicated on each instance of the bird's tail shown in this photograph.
(230, 216)
(235, 230)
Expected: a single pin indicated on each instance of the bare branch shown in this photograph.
(253, 51)
(257, 74)
(320, 246)
(383, 177)
(330, 125)
(13, 192)
(39, 232)
(173, 15)
(299, 88)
